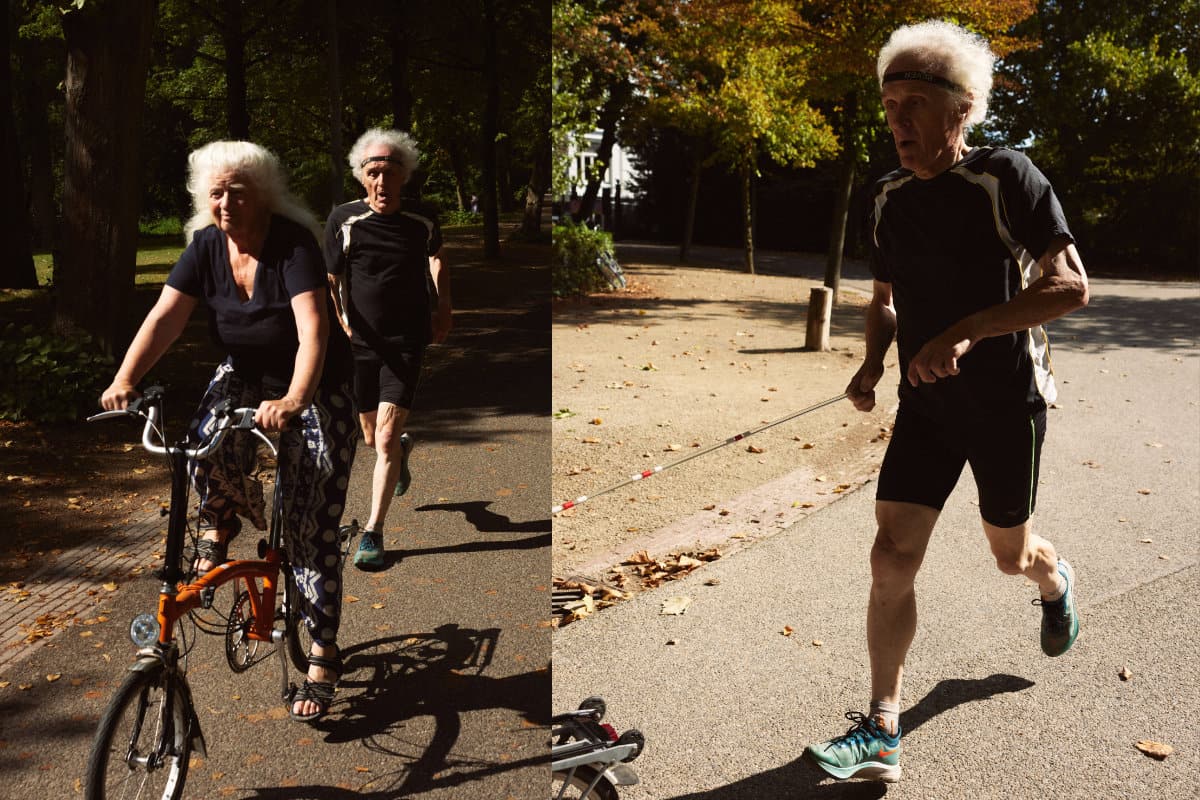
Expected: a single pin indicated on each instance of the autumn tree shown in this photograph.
(739, 76)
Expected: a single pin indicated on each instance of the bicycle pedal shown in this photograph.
(206, 596)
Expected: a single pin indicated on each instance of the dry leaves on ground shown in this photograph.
(1153, 749)
(654, 572)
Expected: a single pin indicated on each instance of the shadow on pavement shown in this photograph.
(799, 779)
(476, 512)
(391, 683)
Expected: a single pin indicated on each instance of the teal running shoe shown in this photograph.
(1060, 619)
(406, 446)
(369, 555)
(865, 751)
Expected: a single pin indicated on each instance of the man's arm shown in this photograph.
(443, 319)
(1062, 288)
(881, 330)
(337, 288)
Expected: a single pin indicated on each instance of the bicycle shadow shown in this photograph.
(799, 779)
(390, 683)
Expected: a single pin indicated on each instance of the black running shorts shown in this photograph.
(926, 455)
(390, 378)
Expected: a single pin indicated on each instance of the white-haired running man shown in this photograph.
(386, 273)
(970, 255)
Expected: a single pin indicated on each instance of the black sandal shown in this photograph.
(209, 550)
(318, 692)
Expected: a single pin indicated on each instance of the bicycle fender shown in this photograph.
(621, 775)
(198, 743)
(152, 663)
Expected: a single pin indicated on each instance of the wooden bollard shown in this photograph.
(820, 308)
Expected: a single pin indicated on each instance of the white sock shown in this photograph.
(1060, 591)
(888, 715)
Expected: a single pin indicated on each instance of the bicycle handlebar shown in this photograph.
(240, 419)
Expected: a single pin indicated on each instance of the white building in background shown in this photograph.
(619, 185)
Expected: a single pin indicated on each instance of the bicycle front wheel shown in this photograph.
(143, 744)
(299, 640)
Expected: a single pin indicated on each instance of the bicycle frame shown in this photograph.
(176, 599)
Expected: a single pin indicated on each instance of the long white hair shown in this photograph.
(254, 164)
(403, 147)
(956, 53)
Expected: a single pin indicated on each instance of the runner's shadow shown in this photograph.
(798, 779)
(403, 696)
(487, 521)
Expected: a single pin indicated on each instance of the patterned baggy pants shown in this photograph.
(310, 492)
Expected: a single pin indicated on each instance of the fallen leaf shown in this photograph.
(349, 599)
(817, 643)
(1146, 541)
(54, 676)
(362, 769)
(676, 606)
(1155, 749)
(787, 630)
(377, 606)
(1144, 491)
(709, 507)
(1125, 674)
(753, 449)
(671, 448)
(597, 421)
(110, 587)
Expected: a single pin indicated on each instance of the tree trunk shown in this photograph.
(108, 49)
(458, 165)
(841, 208)
(535, 191)
(490, 125)
(16, 268)
(43, 215)
(401, 90)
(337, 186)
(233, 37)
(610, 116)
(748, 219)
(689, 223)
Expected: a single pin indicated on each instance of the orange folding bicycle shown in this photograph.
(150, 728)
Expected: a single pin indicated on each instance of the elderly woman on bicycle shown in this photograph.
(253, 261)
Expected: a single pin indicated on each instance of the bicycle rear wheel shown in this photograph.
(143, 744)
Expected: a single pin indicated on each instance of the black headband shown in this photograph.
(389, 159)
(927, 77)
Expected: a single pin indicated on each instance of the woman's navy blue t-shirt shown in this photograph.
(259, 334)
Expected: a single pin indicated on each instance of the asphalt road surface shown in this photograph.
(771, 651)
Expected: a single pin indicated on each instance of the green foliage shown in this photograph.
(48, 377)
(161, 226)
(577, 249)
(1122, 154)
(456, 218)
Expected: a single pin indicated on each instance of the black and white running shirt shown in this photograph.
(385, 261)
(965, 240)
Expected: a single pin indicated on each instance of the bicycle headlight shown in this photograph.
(144, 630)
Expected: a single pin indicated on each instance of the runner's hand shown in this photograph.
(442, 322)
(861, 389)
(939, 357)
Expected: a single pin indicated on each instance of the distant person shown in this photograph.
(970, 254)
(386, 273)
(253, 261)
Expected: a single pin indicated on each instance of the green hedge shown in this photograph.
(47, 377)
(577, 251)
